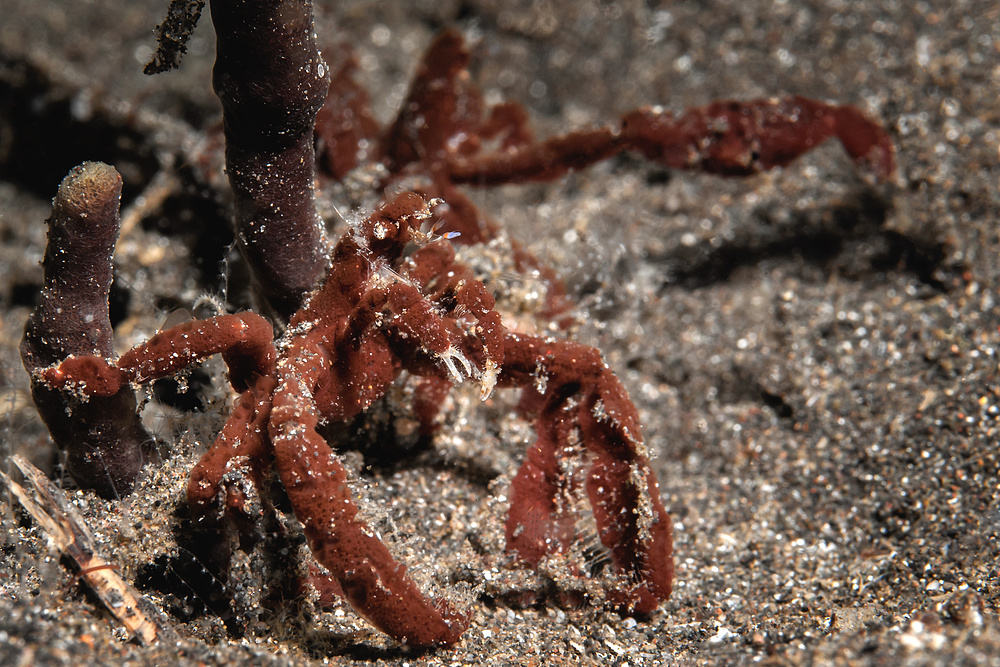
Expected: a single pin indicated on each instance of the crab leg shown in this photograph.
(734, 138)
(443, 125)
(244, 340)
(373, 582)
(582, 399)
(728, 138)
(243, 439)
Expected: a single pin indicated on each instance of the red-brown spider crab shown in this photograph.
(374, 316)
(383, 308)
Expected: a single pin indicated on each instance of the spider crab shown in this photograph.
(382, 308)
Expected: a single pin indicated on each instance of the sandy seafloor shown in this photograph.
(815, 357)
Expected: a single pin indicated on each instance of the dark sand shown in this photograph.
(814, 357)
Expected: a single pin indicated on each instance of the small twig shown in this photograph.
(164, 184)
(65, 527)
(172, 35)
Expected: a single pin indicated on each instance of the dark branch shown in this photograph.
(272, 80)
(172, 35)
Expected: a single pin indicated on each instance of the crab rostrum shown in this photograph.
(389, 297)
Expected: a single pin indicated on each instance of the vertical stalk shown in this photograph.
(101, 435)
(271, 80)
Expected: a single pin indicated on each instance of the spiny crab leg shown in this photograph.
(244, 340)
(579, 400)
(729, 138)
(242, 441)
(372, 581)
